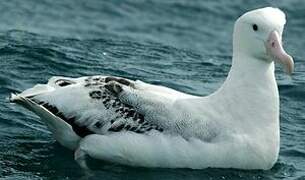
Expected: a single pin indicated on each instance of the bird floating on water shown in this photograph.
(139, 124)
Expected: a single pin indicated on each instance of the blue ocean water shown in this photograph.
(182, 44)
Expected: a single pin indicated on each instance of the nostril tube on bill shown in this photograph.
(275, 50)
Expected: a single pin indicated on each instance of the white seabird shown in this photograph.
(139, 124)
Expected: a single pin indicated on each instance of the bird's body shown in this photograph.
(140, 124)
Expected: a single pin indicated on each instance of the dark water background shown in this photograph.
(182, 44)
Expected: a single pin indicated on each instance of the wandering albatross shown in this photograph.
(139, 124)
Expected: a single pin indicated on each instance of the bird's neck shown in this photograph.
(252, 72)
(250, 93)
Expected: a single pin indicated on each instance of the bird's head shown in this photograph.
(258, 34)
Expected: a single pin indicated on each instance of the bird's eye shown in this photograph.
(63, 82)
(254, 27)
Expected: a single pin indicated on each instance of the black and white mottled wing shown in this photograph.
(91, 105)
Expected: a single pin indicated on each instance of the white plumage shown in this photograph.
(139, 124)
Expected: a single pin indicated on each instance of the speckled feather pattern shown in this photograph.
(123, 116)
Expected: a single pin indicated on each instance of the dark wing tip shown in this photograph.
(13, 98)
